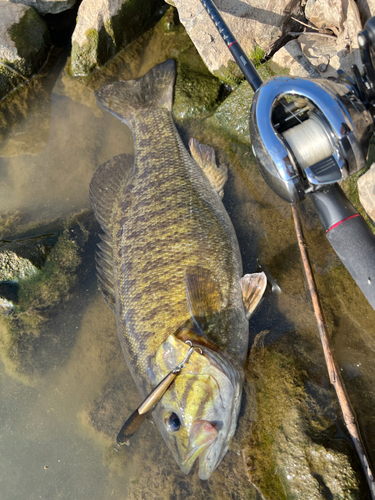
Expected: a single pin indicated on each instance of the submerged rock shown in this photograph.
(293, 450)
(254, 24)
(104, 27)
(24, 41)
(366, 191)
(38, 291)
(14, 268)
(6, 306)
(232, 116)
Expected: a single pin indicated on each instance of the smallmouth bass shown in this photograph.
(170, 268)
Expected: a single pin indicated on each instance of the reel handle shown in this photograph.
(349, 235)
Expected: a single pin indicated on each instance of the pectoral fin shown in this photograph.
(253, 287)
(205, 157)
(203, 294)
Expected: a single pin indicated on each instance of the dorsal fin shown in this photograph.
(253, 287)
(205, 157)
(106, 190)
(203, 294)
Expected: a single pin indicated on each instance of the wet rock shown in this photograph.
(38, 292)
(14, 268)
(103, 27)
(252, 23)
(19, 258)
(293, 451)
(291, 56)
(195, 93)
(338, 47)
(232, 116)
(366, 191)
(6, 306)
(24, 43)
(47, 6)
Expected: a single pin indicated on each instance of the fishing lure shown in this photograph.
(139, 415)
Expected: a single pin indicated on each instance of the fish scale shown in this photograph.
(161, 236)
(172, 253)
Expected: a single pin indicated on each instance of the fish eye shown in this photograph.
(172, 422)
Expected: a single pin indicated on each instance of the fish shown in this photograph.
(169, 267)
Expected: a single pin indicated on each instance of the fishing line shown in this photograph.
(309, 142)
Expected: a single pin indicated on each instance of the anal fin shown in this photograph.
(107, 189)
(104, 270)
(205, 157)
(253, 287)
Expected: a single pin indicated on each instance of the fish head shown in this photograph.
(197, 416)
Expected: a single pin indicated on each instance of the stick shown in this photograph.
(304, 24)
(334, 374)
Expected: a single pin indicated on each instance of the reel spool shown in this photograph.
(309, 142)
(319, 138)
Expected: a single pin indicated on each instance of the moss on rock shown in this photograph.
(232, 116)
(292, 452)
(37, 293)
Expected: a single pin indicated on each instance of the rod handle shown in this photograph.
(350, 237)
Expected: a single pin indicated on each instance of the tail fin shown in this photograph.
(125, 99)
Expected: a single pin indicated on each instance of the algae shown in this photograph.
(31, 38)
(37, 294)
(84, 58)
(292, 451)
(232, 116)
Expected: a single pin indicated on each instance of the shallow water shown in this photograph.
(59, 417)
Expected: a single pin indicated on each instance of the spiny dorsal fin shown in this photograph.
(106, 193)
(125, 99)
(203, 294)
(253, 287)
(205, 157)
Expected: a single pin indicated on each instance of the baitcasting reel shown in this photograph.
(309, 134)
(320, 137)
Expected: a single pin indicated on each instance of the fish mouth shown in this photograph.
(202, 437)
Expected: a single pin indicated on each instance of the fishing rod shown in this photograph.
(305, 146)
(309, 134)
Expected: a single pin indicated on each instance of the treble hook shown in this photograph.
(138, 416)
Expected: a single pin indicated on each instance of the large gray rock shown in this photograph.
(23, 44)
(47, 6)
(326, 52)
(254, 23)
(104, 27)
(291, 56)
(366, 191)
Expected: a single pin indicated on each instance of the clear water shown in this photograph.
(57, 427)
